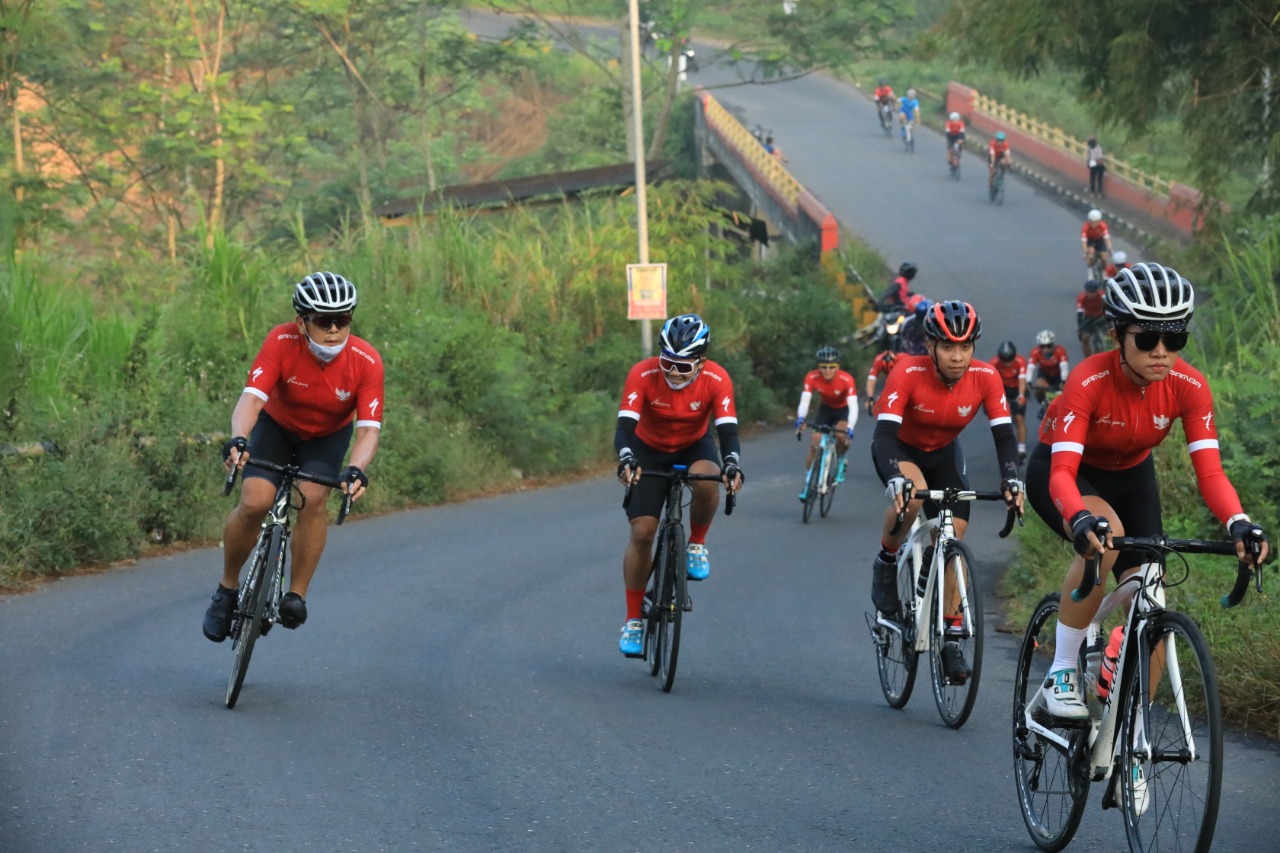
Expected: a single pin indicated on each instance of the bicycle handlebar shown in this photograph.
(292, 472)
(950, 496)
(1165, 545)
(729, 501)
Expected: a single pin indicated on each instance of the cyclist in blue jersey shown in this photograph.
(908, 110)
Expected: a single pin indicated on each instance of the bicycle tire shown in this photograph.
(828, 495)
(955, 701)
(811, 488)
(252, 604)
(999, 197)
(652, 654)
(1182, 796)
(896, 655)
(674, 593)
(1052, 791)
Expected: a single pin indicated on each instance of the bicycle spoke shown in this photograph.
(955, 697)
(896, 657)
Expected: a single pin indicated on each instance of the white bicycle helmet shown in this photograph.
(324, 293)
(911, 93)
(1044, 338)
(1095, 215)
(1150, 295)
(1120, 258)
(954, 116)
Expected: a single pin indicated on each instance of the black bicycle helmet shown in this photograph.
(685, 336)
(1092, 285)
(1007, 351)
(953, 321)
(324, 293)
(908, 270)
(1150, 295)
(828, 354)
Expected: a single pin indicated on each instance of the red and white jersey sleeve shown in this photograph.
(879, 366)
(836, 393)
(670, 420)
(1106, 421)
(312, 399)
(933, 414)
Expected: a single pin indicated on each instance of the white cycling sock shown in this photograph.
(1067, 648)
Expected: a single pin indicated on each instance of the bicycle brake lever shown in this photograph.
(231, 481)
(345, 510)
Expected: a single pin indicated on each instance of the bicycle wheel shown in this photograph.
(252, 606)
(829, 465)
(896, 655)
(1183, 727)
(999, 195)
(955, 698)
(671, 610)
(811, 487)
(1051, 789)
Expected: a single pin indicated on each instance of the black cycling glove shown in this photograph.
(239, 443)
(1244, 530)
(626, 460)
(1082, 525)
(351, 474)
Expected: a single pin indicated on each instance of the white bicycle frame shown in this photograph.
(826, 458)
(920, 537)
(1104, 746)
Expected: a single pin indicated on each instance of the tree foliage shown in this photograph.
(1213, 64)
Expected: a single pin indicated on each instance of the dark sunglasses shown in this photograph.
(684, 368)
(1146, 340)
(329, 321)
(828, 366)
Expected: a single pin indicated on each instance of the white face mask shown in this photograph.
(326, 354)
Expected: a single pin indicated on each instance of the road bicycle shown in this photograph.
(667, 596)
(1093, 337)
(820, 480)
(258, 604)
(1155, 740)
(886, 118)
(953, 161)
(996, 191)
(931, 552)
(1097, 263)
(908, 136)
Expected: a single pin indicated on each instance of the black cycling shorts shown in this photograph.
(274, 443)
(942, 468)
(649, 495)
(953, 138)
(829, 416)
(1015, 408)
(1098, 245)
(1132, 493)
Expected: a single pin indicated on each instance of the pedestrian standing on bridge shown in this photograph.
(1097, 166)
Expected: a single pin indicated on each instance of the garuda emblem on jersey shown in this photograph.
(1161, 421)
(344, 396)
(964, 410)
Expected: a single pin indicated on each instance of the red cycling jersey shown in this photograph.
(1050, 367)
(933, 414)
(995, 149)
(669, 420)
(1094, 230)
(1108, 422)
(837, 392)
(312, 399)
(883, 364)
(1112, 269)
(954, 126)
(1089, 304)
(1010, 371)
(883, 92)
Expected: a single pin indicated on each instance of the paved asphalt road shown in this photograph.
(458, 685)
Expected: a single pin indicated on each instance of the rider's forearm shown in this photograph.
(365, 447)
(886, 448)
(624, 434)
(729, 444)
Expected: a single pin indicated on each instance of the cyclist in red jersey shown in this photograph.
(954, 129)
(1094, 460)
(882, 364)
(668, 405)
(884, 93)
(927, 401)
(1047, 368)
(997, 152)
(1013, 375)
(1089, 314)
(311, 387)
(899, 298)
(1095, 238)
(1119, 261)
(837, 392)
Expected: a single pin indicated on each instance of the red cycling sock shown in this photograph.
(635, 604)
(698, 533)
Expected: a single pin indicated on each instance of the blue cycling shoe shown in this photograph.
(804, 496)
(698, 565)
(632, 642)
(840, 471)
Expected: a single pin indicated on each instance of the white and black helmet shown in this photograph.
(324, 293)
(1045, 337)
(1149, 295)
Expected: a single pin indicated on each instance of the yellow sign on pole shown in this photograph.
(646, 291)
